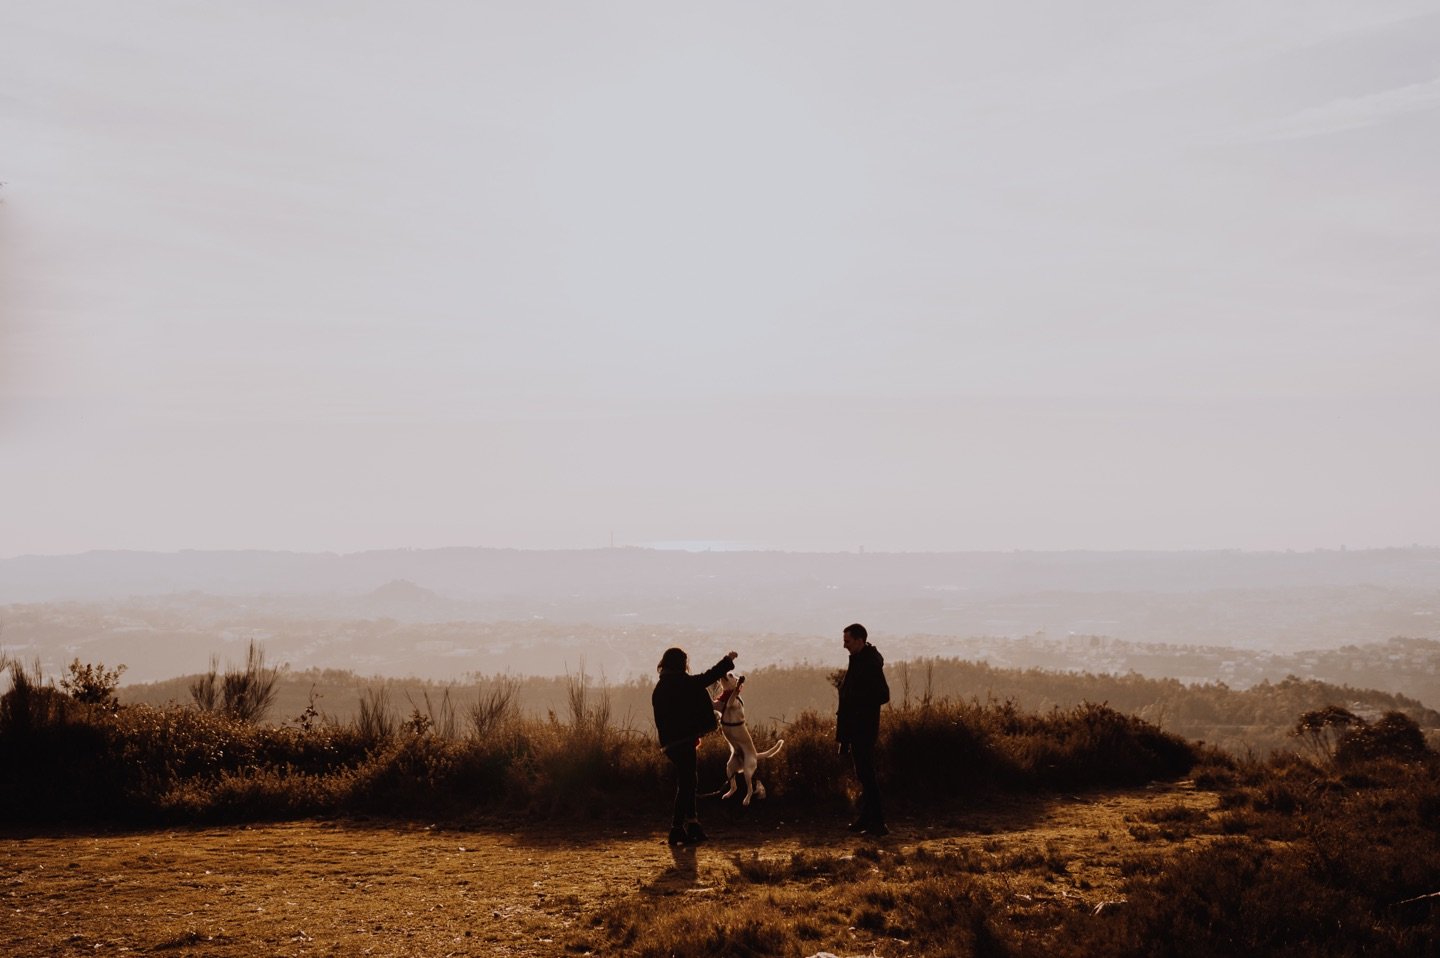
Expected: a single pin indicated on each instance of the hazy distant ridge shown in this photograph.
(488, 574)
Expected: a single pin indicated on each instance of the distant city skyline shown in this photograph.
(932, 277)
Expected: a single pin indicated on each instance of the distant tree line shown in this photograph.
(1257, 719)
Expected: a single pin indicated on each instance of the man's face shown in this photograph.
(853, 643)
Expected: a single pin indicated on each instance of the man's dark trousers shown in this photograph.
(863, 753)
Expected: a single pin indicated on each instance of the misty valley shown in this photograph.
(453, 752)
(1214, 646)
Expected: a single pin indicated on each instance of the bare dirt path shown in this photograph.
(346, 888)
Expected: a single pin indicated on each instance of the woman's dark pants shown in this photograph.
(683, 758)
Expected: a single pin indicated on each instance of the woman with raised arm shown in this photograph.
(683, 714)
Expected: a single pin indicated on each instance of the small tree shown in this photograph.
(1322, 729)
(93, 684)
(311, 717)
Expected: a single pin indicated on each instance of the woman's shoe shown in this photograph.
(677, 836)
(694, 834)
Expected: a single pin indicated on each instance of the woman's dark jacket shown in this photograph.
(683, 711)
(862, 692)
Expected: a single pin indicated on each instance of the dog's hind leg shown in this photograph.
(732, 769)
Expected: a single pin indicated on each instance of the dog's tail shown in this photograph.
(772, 749)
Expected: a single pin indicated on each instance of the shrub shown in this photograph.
(93, 684)
(145, 763)
(30, 705)
(375, 722)
(1320, 730)
(243, 693)
(807, 769)
(1395, 736)
(496, 706)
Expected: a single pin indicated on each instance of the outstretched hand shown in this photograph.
(732, 656)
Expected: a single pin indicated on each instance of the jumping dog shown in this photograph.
(744, 756)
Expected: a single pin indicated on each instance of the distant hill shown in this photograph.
(1275, 601)
(481, 574)
(403, 599)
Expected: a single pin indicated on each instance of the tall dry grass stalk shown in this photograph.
(497, 704)
(587, 714)
(244, 693)
(375, 722)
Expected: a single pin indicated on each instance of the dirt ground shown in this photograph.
(355, 888)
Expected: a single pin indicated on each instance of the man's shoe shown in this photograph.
(859, 825)
(694, 834)
(677, 836)
(878, 830)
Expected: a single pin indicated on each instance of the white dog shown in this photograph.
(744, 756)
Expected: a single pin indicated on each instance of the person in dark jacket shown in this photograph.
(683, 713)
(857, 723)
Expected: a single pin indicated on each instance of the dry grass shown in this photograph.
(332, 888)
(1011, 838)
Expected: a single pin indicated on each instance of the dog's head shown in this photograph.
(731, 682)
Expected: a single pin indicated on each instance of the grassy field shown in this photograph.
(762, 885)
(1073, 832)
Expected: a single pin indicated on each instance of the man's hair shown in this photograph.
(673, 660)
(857, 630)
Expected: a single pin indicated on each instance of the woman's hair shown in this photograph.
(674, 660)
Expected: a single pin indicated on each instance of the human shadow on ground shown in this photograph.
(683, 873)
(735, 827)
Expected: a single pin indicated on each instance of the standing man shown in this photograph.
(857, 723)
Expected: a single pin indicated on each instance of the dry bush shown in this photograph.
(140, 762)
(1394, 736)
(1315, 865)
(497, 705)
(376, 723)
(810, 901)
(244, 693)
(92, 684)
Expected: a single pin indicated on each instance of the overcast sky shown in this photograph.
(337, 275)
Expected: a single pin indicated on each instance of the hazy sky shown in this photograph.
(336, 275)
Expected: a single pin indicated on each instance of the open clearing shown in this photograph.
(405, 889)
